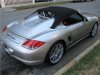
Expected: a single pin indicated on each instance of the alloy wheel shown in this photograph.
(56, 53)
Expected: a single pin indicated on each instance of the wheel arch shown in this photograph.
(63, 42)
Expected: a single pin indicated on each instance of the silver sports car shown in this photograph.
(45, 34)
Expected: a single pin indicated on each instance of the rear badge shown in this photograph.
(11, 36)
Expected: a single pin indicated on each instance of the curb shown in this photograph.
(76, 59)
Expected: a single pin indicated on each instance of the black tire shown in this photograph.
(48, 60)
(94, 30)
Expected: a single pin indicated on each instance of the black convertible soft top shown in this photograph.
(60, 13)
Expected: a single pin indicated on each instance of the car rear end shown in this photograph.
(27, 51)
(20, 41)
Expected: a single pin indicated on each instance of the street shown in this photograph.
(11, 66)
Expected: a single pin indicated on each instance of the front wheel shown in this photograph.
(94, 30)
(56, 52)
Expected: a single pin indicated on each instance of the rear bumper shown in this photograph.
(29, 57)
(36, 62)
(27, 62)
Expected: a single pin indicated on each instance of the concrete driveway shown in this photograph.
(10, 66)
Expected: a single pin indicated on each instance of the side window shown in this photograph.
(75, 18)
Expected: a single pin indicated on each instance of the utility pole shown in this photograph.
(2, 3)
(33, 1)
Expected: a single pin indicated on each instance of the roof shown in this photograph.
(60, 13)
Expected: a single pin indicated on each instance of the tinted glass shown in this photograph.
(75, 18)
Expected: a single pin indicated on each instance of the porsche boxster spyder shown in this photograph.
(45, 34)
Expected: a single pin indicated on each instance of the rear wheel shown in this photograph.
(56, 52)
(94, 30)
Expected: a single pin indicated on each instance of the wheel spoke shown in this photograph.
(56, 53)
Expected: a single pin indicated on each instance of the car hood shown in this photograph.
(30, 29)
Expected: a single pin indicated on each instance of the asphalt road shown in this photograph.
(10, 66)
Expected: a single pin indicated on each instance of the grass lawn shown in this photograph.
(88, 65)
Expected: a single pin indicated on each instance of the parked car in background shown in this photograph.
(45, 34)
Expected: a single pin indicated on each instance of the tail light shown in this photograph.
(4, 29)
(32, 44)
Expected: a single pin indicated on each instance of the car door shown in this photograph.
(78, 31)
(78, 27)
